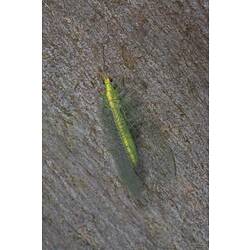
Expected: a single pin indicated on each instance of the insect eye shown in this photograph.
(111, 80)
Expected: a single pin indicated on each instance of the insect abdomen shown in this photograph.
(121, 125)
(126, 137)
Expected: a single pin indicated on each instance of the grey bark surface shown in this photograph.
(163, 45)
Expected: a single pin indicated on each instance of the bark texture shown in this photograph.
(161, 47)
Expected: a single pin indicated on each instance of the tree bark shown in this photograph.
(162, 48)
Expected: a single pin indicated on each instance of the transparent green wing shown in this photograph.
(156, 158)
(157, 161)
(114, 146)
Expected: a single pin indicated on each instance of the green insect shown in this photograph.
(113, 102)
(138, 145)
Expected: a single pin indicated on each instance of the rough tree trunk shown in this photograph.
(162, 44)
